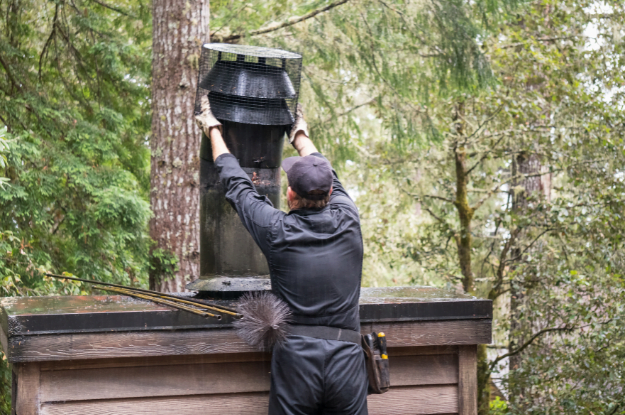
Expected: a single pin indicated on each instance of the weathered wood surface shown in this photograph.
(216, 358)
(422, 350)
(213, 378)
(398, 401)
(245, 404)
(156, 361)
(219, 341)
(151, 381)
(419, 400)
(423, 370)
(125, 344)
(433, 333)
(467, 380)
(28, 389)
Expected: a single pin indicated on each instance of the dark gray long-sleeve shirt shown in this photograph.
(314, 256)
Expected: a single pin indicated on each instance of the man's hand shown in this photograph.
(211, 127)
(298, 136)
(206, 120)
(299, 126)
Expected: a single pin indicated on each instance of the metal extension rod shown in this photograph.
(155, 295)
(158, 301)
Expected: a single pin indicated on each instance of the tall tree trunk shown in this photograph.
(464, 244)
(465, 212)
(463, 238)
(526, 164)
(179, 29)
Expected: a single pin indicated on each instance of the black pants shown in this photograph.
(313, 376)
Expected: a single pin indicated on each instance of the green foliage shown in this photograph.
(393, 89)
(5, 387)
(498, 406)
(538, 89)
(74, 161)
(163, 264)
(394, 56)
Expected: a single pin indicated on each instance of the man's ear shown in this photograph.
(289, 193)
(330, 192)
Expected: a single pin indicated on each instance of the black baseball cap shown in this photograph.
(309, 176)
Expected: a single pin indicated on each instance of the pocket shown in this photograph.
(377, 368)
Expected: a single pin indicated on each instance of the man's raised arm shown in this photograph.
(256, 212)
(304, 146)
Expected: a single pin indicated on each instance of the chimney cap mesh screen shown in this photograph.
(249, 84)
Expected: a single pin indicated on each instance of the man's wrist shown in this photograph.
(215, 133)
(300, 136)
(304, 145)
(217, 143)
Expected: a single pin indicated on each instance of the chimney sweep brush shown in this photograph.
(265, 320)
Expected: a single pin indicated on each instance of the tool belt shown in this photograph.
(376, 356)
(373, 345)
(325, 333)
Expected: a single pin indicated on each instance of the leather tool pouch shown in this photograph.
(377, 367)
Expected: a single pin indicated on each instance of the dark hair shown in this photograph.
(300, 202)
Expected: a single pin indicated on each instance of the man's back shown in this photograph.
(315, 262)
(314, 256)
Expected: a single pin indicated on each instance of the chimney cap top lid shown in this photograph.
(248, 50)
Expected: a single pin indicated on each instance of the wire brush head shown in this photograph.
(265, 319)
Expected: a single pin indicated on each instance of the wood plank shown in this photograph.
(27, 401)
(13, 389)
(215, 358)
(155, 361)
(417, 400)
(398, 401)
(217, 341)
(151, 381)
(433, 333)
(467, 380)
(422, 350)
(423, 370)
(245, 404)
(125, 344)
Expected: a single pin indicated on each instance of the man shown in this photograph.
(314, 254)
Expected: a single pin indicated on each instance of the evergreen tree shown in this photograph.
(175, 142)
(74, 159)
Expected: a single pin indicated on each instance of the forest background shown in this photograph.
(482, 142)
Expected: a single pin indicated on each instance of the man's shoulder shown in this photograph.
(337, 213)
(344, 205)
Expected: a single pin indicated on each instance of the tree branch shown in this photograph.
(45, 46)
(527, 343)
(441, 220)
(444, 199)
(435, 217)
(518, 257)
(347, 111)
(9, 73)
(115, 9)
(481, 125)
(496, 290)
(496, 188)
(276, 26)
(9, 129)
(544, 39)
(485, 155)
